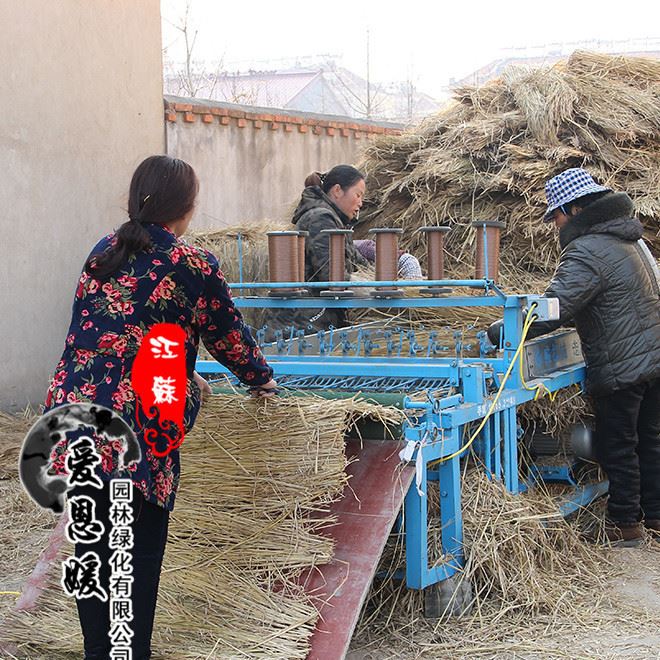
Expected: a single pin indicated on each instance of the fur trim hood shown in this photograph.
(611, 214)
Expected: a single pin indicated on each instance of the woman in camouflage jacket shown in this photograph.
(329, 201)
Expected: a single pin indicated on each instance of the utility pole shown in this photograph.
(410, 90)
(368, 80)
(192, 88)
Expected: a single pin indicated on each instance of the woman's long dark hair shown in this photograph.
(344, 175)
(162, 189)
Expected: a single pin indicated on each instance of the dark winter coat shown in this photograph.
(607, 283)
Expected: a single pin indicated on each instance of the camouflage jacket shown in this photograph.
(314, 213)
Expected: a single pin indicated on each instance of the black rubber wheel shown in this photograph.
(451, 598)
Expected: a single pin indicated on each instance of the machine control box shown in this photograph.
(547, 309)
(545, 355)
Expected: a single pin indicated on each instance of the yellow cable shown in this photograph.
(10, 593)
(526, 325)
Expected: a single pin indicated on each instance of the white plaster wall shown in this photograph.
(248, 175)
(81, 99)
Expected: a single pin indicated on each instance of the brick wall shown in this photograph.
(252, 162)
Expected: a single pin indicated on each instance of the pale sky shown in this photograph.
(425, 41)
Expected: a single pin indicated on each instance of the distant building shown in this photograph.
(324, 89)
(552, 53)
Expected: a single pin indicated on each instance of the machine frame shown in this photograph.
(467, 390)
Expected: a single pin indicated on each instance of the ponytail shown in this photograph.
(131, 238)
(162, 189)
(314, 179)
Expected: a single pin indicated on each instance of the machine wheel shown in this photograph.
(450, 598)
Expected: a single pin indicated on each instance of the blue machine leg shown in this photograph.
(491, 447)
(497, 445)
(486, 448)
(511, 450)
(418, 573)
(416, 516)
(451, 515)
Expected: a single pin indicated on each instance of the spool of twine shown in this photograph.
(283, 265)
(337, 261)
(487, 257)
(387, 259)
(435, 258)
(302, 237)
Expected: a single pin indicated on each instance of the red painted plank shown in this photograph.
(365, 514)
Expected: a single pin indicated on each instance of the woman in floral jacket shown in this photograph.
(140, 276)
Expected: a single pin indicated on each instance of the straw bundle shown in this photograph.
(557, 415)
(13, 429)
(488, 155)
(246, 522)
(23, 533)
(223, 243)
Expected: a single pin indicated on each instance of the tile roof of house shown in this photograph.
(495, 68)
(269, 88)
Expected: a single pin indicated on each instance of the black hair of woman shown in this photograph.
(343, 175)
(580, 203)
(163, 189)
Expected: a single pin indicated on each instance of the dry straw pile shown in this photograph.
(245, 523)
(13, 428)
(487, 156)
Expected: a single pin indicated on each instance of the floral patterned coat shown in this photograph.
(171, 283)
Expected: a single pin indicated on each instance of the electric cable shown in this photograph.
(529, 319)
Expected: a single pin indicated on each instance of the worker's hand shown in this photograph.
(494, 331)
(203, 385)
(265, 391)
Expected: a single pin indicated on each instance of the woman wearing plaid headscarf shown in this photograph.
(608, 284)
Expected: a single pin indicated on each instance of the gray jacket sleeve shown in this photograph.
(576, 282)
(318, 245)
(318, 251)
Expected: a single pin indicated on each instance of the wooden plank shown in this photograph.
(365, 514)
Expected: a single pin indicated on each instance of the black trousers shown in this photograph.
(150, 536)
(627, 446)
